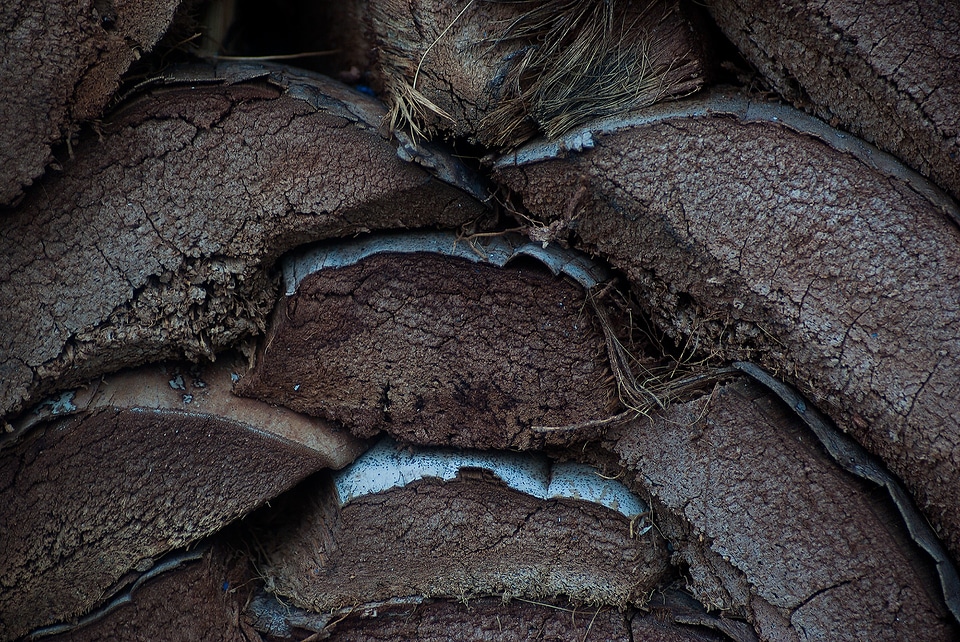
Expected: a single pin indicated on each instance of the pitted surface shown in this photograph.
(146, 249)
(796, 256)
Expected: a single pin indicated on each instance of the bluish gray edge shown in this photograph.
(331, 96)
(727, 102)
(853, 458)
(390, 465)
(494, 250)
(168, 563)
(279, 619)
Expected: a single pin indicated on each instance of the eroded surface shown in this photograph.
(437, 350)
(470, 537)
(86, 499)
(802, 258)
(146, 248)
(737, 482)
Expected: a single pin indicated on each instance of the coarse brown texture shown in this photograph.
(201, 601)
(498, 73)
(437, 350)
(887, 71)
(85, 500)
(834, 274)
(59, 64)
(156, 242)
(466, 538)
(768, 526)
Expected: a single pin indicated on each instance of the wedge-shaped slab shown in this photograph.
(198, 390)
(155, 242)
(812, 253)
(436, 349)
(889, 72)
(60, 66)
(771, 528)
(197, 600)
(88, 498)
(473, 536)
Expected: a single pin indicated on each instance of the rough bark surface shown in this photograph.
(59, 64)
(437, 350)
(202, 601)
(887, 71)
(466, 538)
(839, 276)
(474, 69)
(157, 240)
(770, 527)
(85, 500)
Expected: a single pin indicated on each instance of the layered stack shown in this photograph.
(582, 327)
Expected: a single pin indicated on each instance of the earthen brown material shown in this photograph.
(835, 274)
(465, 538)
(89, 498)
(771, 528)
(201, 601)
(498, 73)
(59, 65)
(487, 619)
(157, 240)
(887, 71)
(437, 350)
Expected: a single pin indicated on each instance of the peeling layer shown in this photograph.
(769, 528)
(438, 350)
(391, 465)
(729, 103)
(852, 457)
(830, 267)
(169, 563)
(204, 392)
(85, 500)
(886, 71)
(494, 250)
(472, 536)
(141, 250)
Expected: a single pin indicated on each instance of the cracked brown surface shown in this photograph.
(156, 241)
(202, 601)
(752, 240)
(59, 65)
(769, 526)
(85, 500)
(465, 538)
(887, 71)
(841, 279)
(437, 350)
